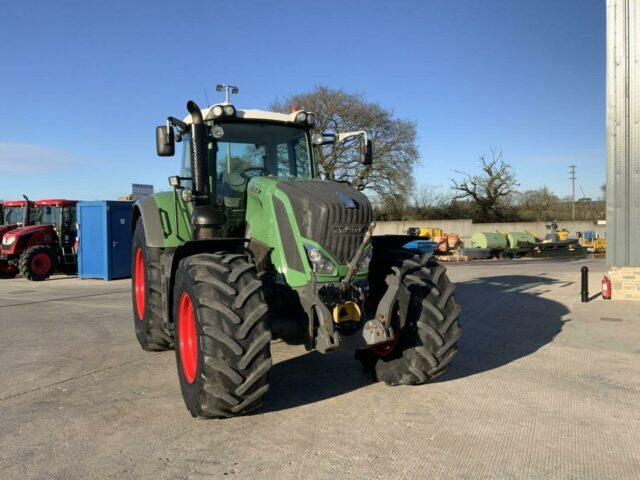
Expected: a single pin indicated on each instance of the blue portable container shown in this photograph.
(104, 239)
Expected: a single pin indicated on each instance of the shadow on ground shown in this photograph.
(504, 318)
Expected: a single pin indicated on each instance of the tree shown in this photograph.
(489, 190)
(538, 205)
(395, 150)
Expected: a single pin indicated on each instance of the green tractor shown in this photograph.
(251, 243)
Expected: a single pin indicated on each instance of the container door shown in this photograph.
(91, 253)
(120, 228)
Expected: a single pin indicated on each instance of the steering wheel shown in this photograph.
(263, 172)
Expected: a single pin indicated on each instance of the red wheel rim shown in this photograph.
(187, 338)
(138, 283)
(41, 264)
(384, 349)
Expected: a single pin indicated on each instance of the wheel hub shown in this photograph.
(41, 264)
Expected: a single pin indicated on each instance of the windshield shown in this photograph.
(47, 215)
(13, 215)
(278, 150)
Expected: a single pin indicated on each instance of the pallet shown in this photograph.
(452, 258)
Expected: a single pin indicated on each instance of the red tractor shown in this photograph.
(40, 249)
(16, 213)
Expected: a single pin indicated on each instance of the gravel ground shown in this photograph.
(543, 387)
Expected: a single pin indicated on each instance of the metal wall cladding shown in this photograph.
(333, 214)
(104, 239)
(623, 132)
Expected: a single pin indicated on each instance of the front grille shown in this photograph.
(333, 214)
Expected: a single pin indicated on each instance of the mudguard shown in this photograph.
(147, 209)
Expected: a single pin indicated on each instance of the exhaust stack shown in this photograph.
(208, 220)
(26, 215)
(199, 161)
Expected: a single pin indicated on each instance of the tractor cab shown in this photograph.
(38, 250)
(60, 214)
(15, 213)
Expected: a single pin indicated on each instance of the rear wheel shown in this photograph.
(425, 345)
(147, 294)
(37, 263)
(222, 335)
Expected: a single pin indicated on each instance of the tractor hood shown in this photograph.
(28, 230)
(6, 228)
(335, 215)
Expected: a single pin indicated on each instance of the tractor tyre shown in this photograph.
(38, 263)
(222, 335)
(8, 270)
(146, 289)
(424, 347)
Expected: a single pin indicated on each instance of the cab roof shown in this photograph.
(251, 114)
(55, 202)
(14, 203)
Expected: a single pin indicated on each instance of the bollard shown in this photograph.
(584, 291)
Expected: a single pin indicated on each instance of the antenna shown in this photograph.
(228, 90)
(206, 97)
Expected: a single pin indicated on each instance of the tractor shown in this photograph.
(16, 213)
(38, 250)
(251, 243)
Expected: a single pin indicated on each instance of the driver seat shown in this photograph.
(233, 187)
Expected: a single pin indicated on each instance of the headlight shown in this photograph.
(217, 111)
(363, 264)
(311, 119)
(8, 240)
(301, 117)
(229, 110)
(320, 263)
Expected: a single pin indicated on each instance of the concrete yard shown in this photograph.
(543, 387)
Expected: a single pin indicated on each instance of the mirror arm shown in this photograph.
(180, 125)
(340, 137)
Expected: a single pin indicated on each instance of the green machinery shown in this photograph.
(251, 243)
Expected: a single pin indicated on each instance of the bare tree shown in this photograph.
(538, 205)
(395, 153)
(489, 190)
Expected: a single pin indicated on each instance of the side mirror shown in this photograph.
(367, 155)
(165, 141)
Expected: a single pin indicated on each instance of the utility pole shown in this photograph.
(572, 171)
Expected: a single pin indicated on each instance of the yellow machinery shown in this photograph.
(430, 232)
(593, 242)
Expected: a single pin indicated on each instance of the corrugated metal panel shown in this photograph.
(623, 132)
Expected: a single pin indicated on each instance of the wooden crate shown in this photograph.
(452, 258)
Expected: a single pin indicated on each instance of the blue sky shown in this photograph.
(83, 83)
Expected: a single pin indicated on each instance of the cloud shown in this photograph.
(21, 158)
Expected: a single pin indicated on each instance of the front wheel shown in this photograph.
(37, 263)
(426, 342)
(8, 270)
(222, 335)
